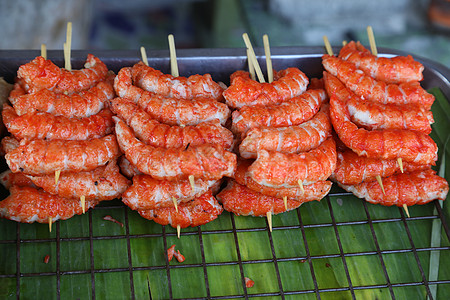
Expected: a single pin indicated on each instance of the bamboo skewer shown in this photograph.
(68, 46)
(44, 51)
(378, 177)
(50, 221)
(285, 202)
(268, 58)
(178, 231)
(144, 56)
(192, 182)
(57, 174)
(253, 58)
(251, 69)
(175, 203)
(300, 184)
(327, 45)
(173, 57)
(400, 164)
(405, 207)
(83, 203)
(373, 46)
(269, 220)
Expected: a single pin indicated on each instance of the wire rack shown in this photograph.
(167, 271)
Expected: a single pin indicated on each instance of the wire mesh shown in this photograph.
(204, 264)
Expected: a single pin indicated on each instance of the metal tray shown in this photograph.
(220, 63)
(318, 251)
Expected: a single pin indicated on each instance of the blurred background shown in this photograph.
(420, 27)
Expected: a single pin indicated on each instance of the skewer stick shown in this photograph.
(373, 46)
(327, 45)
(378, 177)
(344, 42)
(268, 58)
(285, 202)
(144, 56)
(57, 173)
(173, 57)
(253, 57)
(405, 207)
(178, 231)
(192, 181)
(83, 203)
(44, 51)
(50, 221)
(175, 203)
(300, 184)
(65, 55)
(400, 164)
(68, 46)
(269, 220)
(251, 69)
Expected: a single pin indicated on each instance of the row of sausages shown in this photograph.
(168, 148)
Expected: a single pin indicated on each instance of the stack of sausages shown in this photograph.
(382, 116)
(61, 150)
(286, 150)
(176, 147)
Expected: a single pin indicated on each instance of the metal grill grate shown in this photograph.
(310, 257)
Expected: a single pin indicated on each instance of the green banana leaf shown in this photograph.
(338, 248)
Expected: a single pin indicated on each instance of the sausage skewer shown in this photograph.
(253, 64)
(67, 45)
(68, 66)
(330, 52)
(358, 53)
(270, 79)
(373, 48)
(175, 73)
(173, 67)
